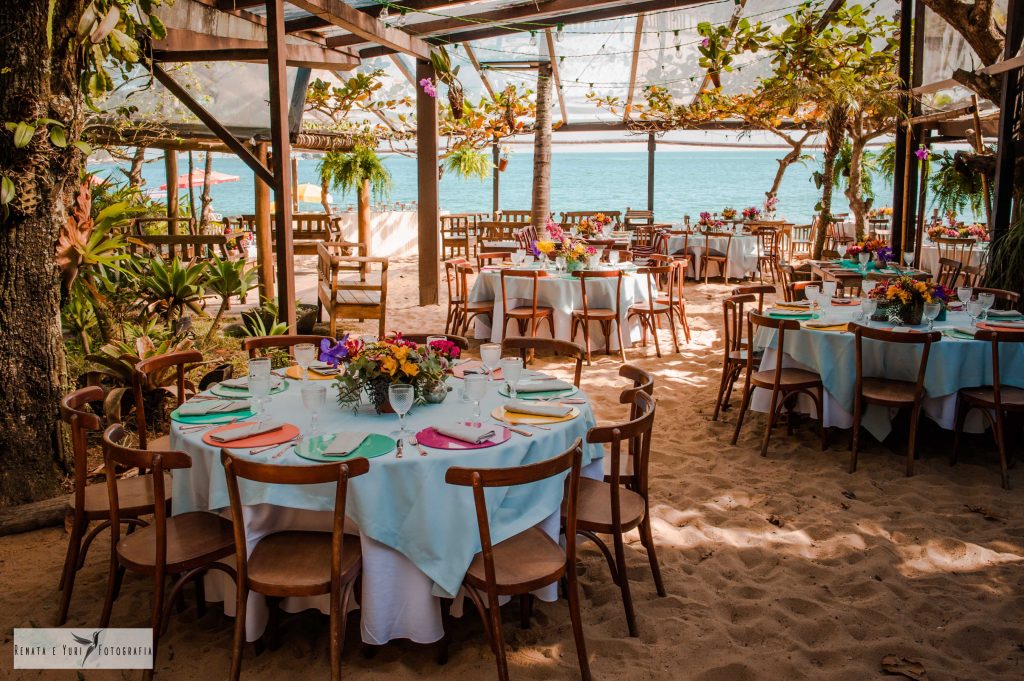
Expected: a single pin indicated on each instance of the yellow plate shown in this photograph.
(295, 371)
(515, 419)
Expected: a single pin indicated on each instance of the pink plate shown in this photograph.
(459, 370)
(431, 438)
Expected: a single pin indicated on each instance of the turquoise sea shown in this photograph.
(686, 182)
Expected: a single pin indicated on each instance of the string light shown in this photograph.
(533, 38)
(559, 32)
(401, 20)
(383, 16)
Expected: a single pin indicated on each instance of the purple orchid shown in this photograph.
(428, 87)
(334, 354)
(534, 250)
(705, 42)
(922, 153)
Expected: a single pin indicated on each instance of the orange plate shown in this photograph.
(263, 439)
(459, 371)
(990, 326)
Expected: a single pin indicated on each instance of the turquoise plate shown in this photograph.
(312, 448)
(226, 391)
(795, 315)
(219, 417)
(545, 395)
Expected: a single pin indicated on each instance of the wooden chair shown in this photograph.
(677, 282)
(295, 562)
(257, 344)
(716, 256)
(90, 503)
(528, 347)
(469, 310)
(888, 392)
(456, 236)
(768, 253)
(634, 218)
(483, 259)
(492, 230)
(949, 273)
(520, 217)
(972, 275)
(835, 236)
(650, 311)
(525, 316)
(525, 237)
(605, 316)
(734, 359)
(610, 507)
(759, 290)
(309, 230)
(955, 249)
(996, 401)
(526, 561)
(362, 297)
(645, 242)
(421, 339)
(785, 383)
(456, 294)
(186, 546)
(800, 242)
(148, 374)
(1005, 300)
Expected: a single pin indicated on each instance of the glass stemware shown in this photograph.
(511, 371)
(259, 382)
(974, 310)
(811, 292)
(305, 355)
(863, 258)
(964, 294)
(490, 355)
(841, 250)
(828, 289)
(868, 306)
(401, 396)
(613, 257)
(987, 300)
(931, 311)
(314, 397)
(560, 263)
(476, 389)
(908, 258)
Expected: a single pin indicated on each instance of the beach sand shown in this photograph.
(785, 567)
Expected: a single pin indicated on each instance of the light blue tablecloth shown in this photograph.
(952, 364)
(402, 503)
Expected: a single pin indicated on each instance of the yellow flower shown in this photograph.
(410, 369)
(388, 365)
(545, 246)
(401, 352)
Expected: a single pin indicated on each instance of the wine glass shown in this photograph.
(511, 370)
(305, 354)
(867, 308)
(908, 258)
(974, 310)
(863, 258)
(867, 286)
(811, 292)
(987, 300)
(841, 250)
(476, 389)
(490, 355)
(931, 311)
(314, 397)
(401, 396)
(964, 294)
(613, 257)
(828, 289)
(259, 382)
(560, 263)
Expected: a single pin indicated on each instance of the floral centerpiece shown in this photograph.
(373, 367)
(883, 212)
(339, 352)
(751, 213)
(901, 300)
(728, 213)
(959, 230)
(708, 223)
(594, 225)
(558, 243)
(770, 204)
(877, 248)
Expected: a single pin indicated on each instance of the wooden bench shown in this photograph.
(308, 230)
(185, 246)
(352, 288)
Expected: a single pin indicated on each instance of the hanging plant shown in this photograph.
(955, 186)
(469, 163)
(442, 64)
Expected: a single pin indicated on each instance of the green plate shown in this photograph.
(374, 445)
(219, 417)
(795, 315)
(544, 395)
(226, 391)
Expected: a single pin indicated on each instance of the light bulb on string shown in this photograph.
(533, 38)
(401, 20)
(559, 32)
(383, 16)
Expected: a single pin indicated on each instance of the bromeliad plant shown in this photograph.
(170, 288)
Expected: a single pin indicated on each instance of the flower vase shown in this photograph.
(434, 393)
(942, 313)
(377, 391)
(573, 265)
(908, 314)
(881, 313)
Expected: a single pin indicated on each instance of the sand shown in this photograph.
(785, 567)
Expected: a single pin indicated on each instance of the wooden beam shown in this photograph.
(826, 16)
(940, 116)
(581, 17)
(181, 45)
(305, 24)
(406, 71)
(471, 53)
(937, 86)
(733, 20)
(213, 124)
(428, 216)
(281, 141)
(557, 81)
(264, 244)
(366, 27)
(638, 36)
(1004, 66)
(207, 22)
(171, 173)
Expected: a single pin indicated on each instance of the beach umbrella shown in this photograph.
(198, 178)
(310, 193)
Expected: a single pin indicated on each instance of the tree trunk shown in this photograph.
(834, 128)
(41, 82)
(542, 151)
(324, 195)
(854, 188)
(135, 170)
(191, 192)
(363, 216)
(204, 199)
(786, 161)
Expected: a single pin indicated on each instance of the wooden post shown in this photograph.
(171, 171)
(899, 183)
(295, 184)
(496, 179)
(652, 143)
(281, 166)
(427, 188)
(264, 247)
(1007, 149)
(363, 218)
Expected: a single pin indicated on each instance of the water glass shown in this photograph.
(305, 355)
(476, 389)
(828, 289)
(314, 397)
(974, 310)
(811, 292)
(613, 257)
(908, 258)
(987, 300)
(867, 308)
(931, 311)
(401, 396)
(964, 294)
(511, 371)
(259, 382)
(490, 355)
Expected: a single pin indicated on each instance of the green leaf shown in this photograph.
(58, 136)
(23, 135)
(84, 147)
(7, 190)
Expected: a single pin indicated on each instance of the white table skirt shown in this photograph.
(563, 295)
(930, 257)
(742, 253)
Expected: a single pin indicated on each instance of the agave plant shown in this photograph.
(170, 288)
(227, 278)
(78, 317)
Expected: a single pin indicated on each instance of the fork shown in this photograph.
(267, 448)
(204, 426)
(416, 443)
(519, 431)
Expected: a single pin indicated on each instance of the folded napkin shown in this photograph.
(1007, 324)
(825, 326)
(248, 430)
(345, 443)
(542, 385)
(242, 382)
(965, 330)
(907, 329)
(325, 370)
(465, 432)
(795, 304)
(538, 409)
(1003, 313)
(204, 407)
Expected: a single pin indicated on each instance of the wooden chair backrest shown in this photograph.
(525, 236)
(759, 290)
(516, 216)
(492, 256)
(496, 230)
(973, 275)
(586, 275)
(75, 412)
(452, 279)
(926, 339)
(733, 309)
(995, 338)
(710, 252)
(525, 344)
(949, 272)
(1005, 300)
(655, 275)
(768, 241)
(643, 236)
(192, 247)
(955, 249)
(456, 226)
(637, 217)
(254, 345)
(534, 276)
(637, 433)
(142, 376)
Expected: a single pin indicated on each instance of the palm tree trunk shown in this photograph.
(854, 189)
(204, 199)
(363, 216)
(834, 128)
(542, 150)
(324, 195)
(191, 192)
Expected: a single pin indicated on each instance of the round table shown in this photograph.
(742, 252)
(953, 364)
(563, 294)
(418, 534)
(930, 257)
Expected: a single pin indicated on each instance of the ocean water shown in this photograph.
(686, 182)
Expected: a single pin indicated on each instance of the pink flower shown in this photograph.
(705, 42)
(428, 87)
(922, 153)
